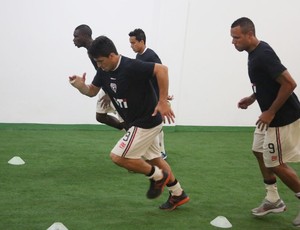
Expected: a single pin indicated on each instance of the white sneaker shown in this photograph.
(269, 207)
(296, 221)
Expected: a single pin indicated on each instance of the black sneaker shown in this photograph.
(157, 187)
(175, 201)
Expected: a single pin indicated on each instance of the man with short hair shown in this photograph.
(83, 38)
(127, 82)
(137, 39)
(276, 138)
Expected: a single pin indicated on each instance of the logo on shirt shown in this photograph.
(122, 103)
(274, 158)
(113, 86)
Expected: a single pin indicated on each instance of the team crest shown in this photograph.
(113, 86)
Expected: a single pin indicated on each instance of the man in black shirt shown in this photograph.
(137, 39)
(83, 38)
(128, 84)
(276, 138)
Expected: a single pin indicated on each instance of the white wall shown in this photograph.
(192, 37)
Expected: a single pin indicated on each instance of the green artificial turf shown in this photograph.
(68, 177)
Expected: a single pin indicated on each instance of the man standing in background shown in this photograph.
(137, 39)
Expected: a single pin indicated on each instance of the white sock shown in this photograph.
(272, 193)
(297, 195)
(157, 175)
(176, 189)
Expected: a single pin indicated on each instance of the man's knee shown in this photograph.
(116, 159)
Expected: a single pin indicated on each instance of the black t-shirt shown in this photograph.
(131, 92)
(264, 67)
(150, 56)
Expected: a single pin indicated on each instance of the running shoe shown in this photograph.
(269, 207)
(296, 221)
(175, 201)
(157, 187)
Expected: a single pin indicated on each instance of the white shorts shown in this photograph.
(139, 143)
(279, 145)
(101, 109)
(258, 140)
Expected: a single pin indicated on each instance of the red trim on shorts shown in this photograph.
(279, 149)
(132, 136)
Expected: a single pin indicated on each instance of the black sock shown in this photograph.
(151, 172)
(269, 182)
(170, 184)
